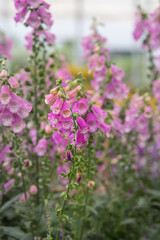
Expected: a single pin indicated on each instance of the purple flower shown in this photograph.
(41, 147)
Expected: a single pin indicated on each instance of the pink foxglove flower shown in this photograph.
(8, 185)
(91, 122)
(33, 20)
(33, 189)
(41, 147)
(22, 199)
(5, 94)
(83, 127)
(15, 103)
(66, 113)
(18, 124)
(13, 82)
(80, 139)
(7, 117)
(56, 107)
(81, 106)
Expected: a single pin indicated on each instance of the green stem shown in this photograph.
(35, 82)
(87, 190)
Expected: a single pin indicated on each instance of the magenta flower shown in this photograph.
(140, 26)
(105, 128)
(80, 139)
(13, 82)
(33, 20)
(5, 94)
(22, 198)
(6, 117)
(33, 189)
(46, 17)
(41, 147)
(34, 3)
(50, 37)
(66, 113)
(29, 39)
(81, 106)
(18, 124)
(15, 103)
(53, 119)
(83, 127)
(99, 113)
(91, 122)
(20, 16)
(20, 4)
(50, 98)
(66, 123)
(25, 109)
(56, 107)
(8, 185)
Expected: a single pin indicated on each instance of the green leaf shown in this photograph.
(154, 193)
(9, 203)
(14, 232)
(128, 221)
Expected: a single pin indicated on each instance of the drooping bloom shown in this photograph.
(41, 147)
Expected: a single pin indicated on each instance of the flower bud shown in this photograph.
(48, 129)
(78, 177)
(19, 174)
(33, 189)
(26, 163)
(22, 198)
(91, 184)
(3, 74)
(53, 91)
(69, 156)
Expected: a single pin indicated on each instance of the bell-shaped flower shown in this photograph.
(6, 117)
(80, 139)
(50, 98)
(91, 122)
(82, 125)
(66, 109)
(18, 124)
(56, 107)
(105, 128)
(53, 119)
(13, 82)
(25, 109)
(99, 113)
(81, 106)
(33, 20)
(5, 94)
(41, 147)
(15, 103)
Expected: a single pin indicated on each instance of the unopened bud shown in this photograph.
(78, 177)
(3, 74)
(48, 129)
(53, 91)
(91, 184)
(69, 156)
(27, 163)
(19, 174)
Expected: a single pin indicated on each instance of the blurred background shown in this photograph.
(72, 20)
